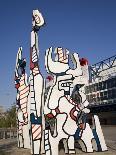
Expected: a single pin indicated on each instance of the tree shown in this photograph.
(9, 119)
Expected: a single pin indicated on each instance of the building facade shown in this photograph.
(101, 90)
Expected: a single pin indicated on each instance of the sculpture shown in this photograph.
(22, 101)
(60, 116)
(36, 79)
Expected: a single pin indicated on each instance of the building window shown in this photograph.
(114, 82)
(100, 85)
(105, 95)
(109, 83)
(113, 93)
(104, 85)
(109, 94)
(101, 96)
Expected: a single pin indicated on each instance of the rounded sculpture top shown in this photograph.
(37, 20)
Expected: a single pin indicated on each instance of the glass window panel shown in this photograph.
(105, 93)
(100, 85)
(104, 85)
(109, 94)
(97, 86)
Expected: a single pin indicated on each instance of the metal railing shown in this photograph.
(6, 133)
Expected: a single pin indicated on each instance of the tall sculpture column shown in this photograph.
(36, 85)
(22, 102)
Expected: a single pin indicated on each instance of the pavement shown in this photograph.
(9, 146)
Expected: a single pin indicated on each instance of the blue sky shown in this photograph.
(84, 26)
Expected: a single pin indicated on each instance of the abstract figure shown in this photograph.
(22, 101)
(61, 113)
(59, 96)
(62, 105)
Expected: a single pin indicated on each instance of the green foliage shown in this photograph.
(9, 119)
(2, 122)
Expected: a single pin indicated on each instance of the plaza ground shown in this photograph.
(9, 147)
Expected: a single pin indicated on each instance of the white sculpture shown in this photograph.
(60, 116)
(59, 99)
(22, 101)
(36, 86)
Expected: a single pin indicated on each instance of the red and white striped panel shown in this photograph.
(24, 92)
(36, 131)
(23, 95)
(22, 83)
(23, 103)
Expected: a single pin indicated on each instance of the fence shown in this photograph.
(6, 133)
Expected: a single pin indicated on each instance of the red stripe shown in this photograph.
(23, 97)
(37, 135)
(72, 114)
(23, 103)
(70, 101)
(23, 93)
(23, 89)
(23, 108)
(26, 113)
(36, 129)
